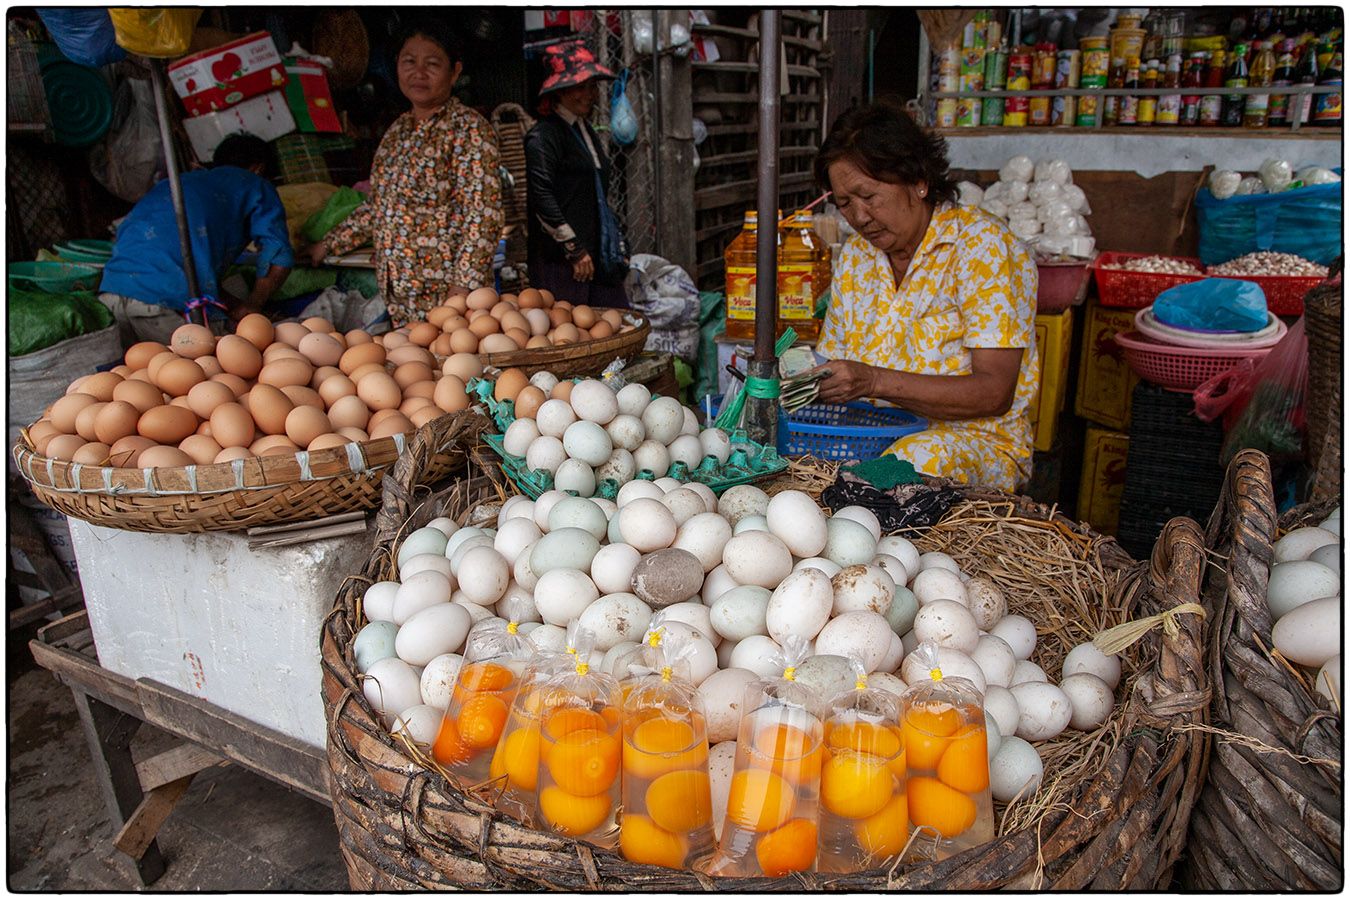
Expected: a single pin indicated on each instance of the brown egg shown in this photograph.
(423, 333)
(549, 299)
(379, 391)
(318, 323)
(400, 355)
(395, 424)
(269, 408)
(158, 362)
(232, 426)
(438, 314)
(92, 454)
(482, 298)
(201, 448)
(463, 366)
(410, 373)
(349, 411)
(180, 402)
(75, 386)
(230, 454)
(140, 375)
(510, 300)
(421, 389)
(286, 371)
(233, 382)
(178, 376)
(84, 421)
(327, 442)
(455, 324)
(40, 444)
(613, 317)
(413, 404)
(498, 311)
(122, 370)
(101, 385)
(210, 365)
(510, 383)
(274, 445)
(558, 317)
(42, 428)
(257, 330)
(566, 333)
(441, 346)
(281, 351)
(305, 423)
(512, 319)
(583, 316)
(336, 387)
(192, 341)
(237, 356)
(367, 369)
(379, 416)
(463, 341)
(601, 330)
(291, 333)
(395, 339)
(538, 342)
(357, 336)
(301, 395)
(561, 391)
(340, 338)
(426, 414)
(64, 446)
(321, 349)
(518, 336)
(561, 304)
(138, 356)
(115, 421)
(163, 457)
(139, 394)
(167, 424)
(205, 428)
(528, 402)
(497, 343)
(355, 435)
(205, 397)
(459, 303)
(361, 355)
(484, 325)
(530, 298)
(125, 452)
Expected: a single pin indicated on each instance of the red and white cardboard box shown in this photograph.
(224, 76)
(266, 116)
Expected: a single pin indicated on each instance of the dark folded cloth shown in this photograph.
(903, 506)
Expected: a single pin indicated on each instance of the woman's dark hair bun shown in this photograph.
(884, 141)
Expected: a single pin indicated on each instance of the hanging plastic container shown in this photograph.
(864, 818)
(947, 762)
(667, 794)
(161, 32)
(772, 819)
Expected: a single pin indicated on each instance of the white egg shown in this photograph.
(886, 681)
(663, 419)
(612, 568)
(1329, 680)
(695, 615)
(755, 653)
(864, 517)
(1329, 556)
(848, 543)
(594, 401)
(716, 444)
(476, 613)
(895, 654)
(947, 624)
(652, 456)
(421, 723)
(544, 505)
(702, 656)
(709, 498)
(715, 584)
(483, 575)
(1045, 710)
(862, 588)
(522, 510)
(812, 562)
(545, 381)
(939, 584)
(391, 686)
(829, 673)
(549, 638)
(1027, 671)
(684, 504)
(438, 680)
(722, 693)
(519, 435)
(1019, 633)
(588, 442)
(904, 608)
(742, 500)
(647, 525)
(563, 595)
(444, 524)
(686, 449)
(724, 651)
(1000, 703)
(626, 432)
(705, 535)
(457, 558)
(992, 736)
(609, 662)
(1310, 634)
(576, 477)
(615, 618)
(903, 550)
(691, 423)
(1087, 658)
(514, 536)
(936, 560)
(952, 663)
(423, 540)
(578, 512)
(1016, 770)
(614, 535)
(1293, 584)
(911, 643)
(740, 612)
(378, 601)
(373, 643)
(517, 605)
(892, 567)
(1333, 525)
(757, 557)
(521, 572)
(633, 399)
(1090, 698)
(721, 766)
(638, 490)
(619, 468)
(434, 631)
(553, 417)
(545, 454)
(566, 548)
(751, 523)
(423, 590)
(986, 602)
(995, 659)
(800, 605)
(1301, 542)
(796, 520)
(668, 484)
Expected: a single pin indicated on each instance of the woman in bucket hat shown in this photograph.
(576, 248)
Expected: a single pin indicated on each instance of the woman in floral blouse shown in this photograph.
(434, 212)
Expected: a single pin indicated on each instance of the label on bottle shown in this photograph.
(796, 292)
(1169, 109)
(741, 293)
(1211, 109)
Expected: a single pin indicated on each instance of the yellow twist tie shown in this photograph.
(935, 674)
(572, 651)
(583, 668)
(860, 684)
(1114, 640)
(790, 673)
(512, 627)
(665, 673)
(654, 638)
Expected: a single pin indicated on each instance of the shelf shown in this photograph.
(752, 68)
(749, 156)
(753, 128)
(1305, 133)
(749, 34)
(719, 195)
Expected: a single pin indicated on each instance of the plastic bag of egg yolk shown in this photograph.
(667, 794)
(864, 816)
(772, 819)
(947, 763)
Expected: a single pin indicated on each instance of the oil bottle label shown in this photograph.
(741, 293)
(796, 292)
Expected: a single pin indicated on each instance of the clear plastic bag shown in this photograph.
(969, 194)
(623, 123)
(947, 762)
(772, 821)
(864, 817)
(1014, 192)
(1276, 174)
(1223, 183)
(1248, 186)
(1054, 171)
(1019, 168)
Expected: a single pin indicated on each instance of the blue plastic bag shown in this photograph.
(623, 123)
(1304, 221)
(83, 34)
(1213, 304)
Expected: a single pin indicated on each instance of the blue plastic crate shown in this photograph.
(845, 431)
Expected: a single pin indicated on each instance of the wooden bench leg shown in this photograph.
(109, 732)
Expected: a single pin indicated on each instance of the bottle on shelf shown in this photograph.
(1169, 105)
(1129, 104)
(1237, 76)
(1278, 114)
(1112, 104)
(1256, 114)
(1308, 74)
(1327, 109)
(1193, 77)
(1148, 105)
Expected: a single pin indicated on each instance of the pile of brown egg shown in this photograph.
(485, 322)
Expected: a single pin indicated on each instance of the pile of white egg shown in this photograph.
(597, 433)
(1304, 596)
(735, 576)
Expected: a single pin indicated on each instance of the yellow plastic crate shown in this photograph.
(1054, 335)
(1104, 457)
(1105, 382)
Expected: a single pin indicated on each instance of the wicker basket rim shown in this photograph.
(545, 356)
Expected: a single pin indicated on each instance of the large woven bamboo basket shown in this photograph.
(1270, 815)
(237, 495)
(572, 360)
(1113, 816)
(1324, 323)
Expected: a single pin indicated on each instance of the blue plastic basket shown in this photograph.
(839, 431)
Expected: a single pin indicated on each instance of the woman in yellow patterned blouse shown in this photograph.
(933, 304)
(434, 212)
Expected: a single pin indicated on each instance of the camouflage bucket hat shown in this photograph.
(570, 64)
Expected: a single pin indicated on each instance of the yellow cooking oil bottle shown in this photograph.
(803, 276)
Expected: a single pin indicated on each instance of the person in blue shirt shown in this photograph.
(229, 206)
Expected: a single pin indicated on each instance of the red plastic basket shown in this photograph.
(1135, 290)
(1061, 285)
(1179, 368)
(1284, 293)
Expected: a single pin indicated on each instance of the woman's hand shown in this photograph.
(847, 380)
(583, 269)
(317, 253)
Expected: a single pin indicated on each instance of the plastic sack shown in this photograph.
(1316, 175)
(969, 194)
(623, 123)
(667, 795)
(39, 320)
(1303, 221)
(1014, 192)
(1249, 185)
(338, 207)
(127, 158)
(159, 31)
(84, 34)
(947, 761)
(1074, 196)
(995, 208)
(1213, 304)
(773, 805)
(996, 191)
(1019, 168)
(1223, 183)
(1053, 210)
(1043, 192)
(1054, 171)
(1023, 210)
(666, 295)
(1066, 227)
(1276, 175)
(1025, 229)
(863, 807)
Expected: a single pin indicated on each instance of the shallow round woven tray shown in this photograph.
(1112, 815)
(571, 360)
(1270, 815)
(236, 495)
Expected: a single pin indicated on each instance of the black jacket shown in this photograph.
(561, 191)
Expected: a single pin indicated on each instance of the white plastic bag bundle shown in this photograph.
(969, 194)
(1074, 196)
(1223, 183)
(1023, 210)
(1043, 192)
(1061, 228)
(1019, 168)
(1014, 192)
(1054, 170)
(1250, 185)
(1082, 224)
(997, 191)
(995, 207)
(1054, 211)
(1276, 174)
(1055, 246)
(1316, 175)
(1025, 228)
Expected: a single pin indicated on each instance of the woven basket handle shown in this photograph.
(401, 482)
(1245, 523)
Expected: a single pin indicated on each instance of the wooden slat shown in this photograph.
(801, 15)
(751, 35)
(739, 191)
(139, 831)
(753, 97)
(185, 759)
(31, 612)
(713, 231)
(64, 628)
(752, 68)
(752, 128)
(749, 156)
(88, 676)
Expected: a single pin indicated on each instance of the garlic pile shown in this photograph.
(1304, 599)
(1157, 265)
(1268, 263)
(1041, 205)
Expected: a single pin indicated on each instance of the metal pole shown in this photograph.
(175, 187)
(659, 31)
(761, 414)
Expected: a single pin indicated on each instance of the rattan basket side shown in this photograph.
(1269, 817)
(573, 360)
(1324, 322)
(403, 827)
